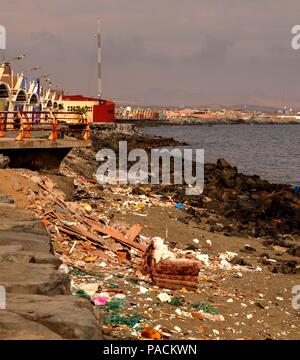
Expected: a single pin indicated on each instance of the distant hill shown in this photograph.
(177, 98)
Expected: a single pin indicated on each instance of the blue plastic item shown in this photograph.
(180, 207)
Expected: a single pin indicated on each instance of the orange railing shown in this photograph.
(56, 123)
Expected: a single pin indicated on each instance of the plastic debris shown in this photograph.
(143, 290)
(83, 294)
(151, 333)
(205, 307)
(87, 207)
(164, 297)
(100, 299)
(176, 301)
(180, 207)
(129, 320)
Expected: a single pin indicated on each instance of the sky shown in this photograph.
(164, 52)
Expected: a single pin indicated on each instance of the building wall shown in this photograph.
(70, 106)
(104, 113)
(97, 113)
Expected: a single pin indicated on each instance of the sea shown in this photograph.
(270, 151)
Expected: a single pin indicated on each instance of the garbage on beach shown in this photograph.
(100, 299)
(168, 270)
(122, 271)
(151, 334)
(164, 297)
(180, 207)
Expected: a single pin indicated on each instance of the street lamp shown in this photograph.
(49, 82)
(43, 76)
(17, 58)
(35, 68)
(20, 57)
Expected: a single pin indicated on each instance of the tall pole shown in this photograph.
(3, 41)
(99, 60)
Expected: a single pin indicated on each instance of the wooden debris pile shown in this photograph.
(82, 234)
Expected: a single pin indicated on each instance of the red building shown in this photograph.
(98, 111)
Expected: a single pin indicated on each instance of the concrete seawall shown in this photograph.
(39, 304)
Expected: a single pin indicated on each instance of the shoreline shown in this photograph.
(175, 122)
(242, 290)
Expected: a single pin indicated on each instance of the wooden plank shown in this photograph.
(116, 234)
(83, 234)
(133, 232)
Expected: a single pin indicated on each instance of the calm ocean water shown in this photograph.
(270, 151)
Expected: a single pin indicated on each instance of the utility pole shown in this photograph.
(3, 41)
(99, 60)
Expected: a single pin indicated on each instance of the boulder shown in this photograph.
(69, 317)
(223, 164)
(16, 327)
(22, 278)
(4, 161)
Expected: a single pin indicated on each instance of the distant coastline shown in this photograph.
(193, 122)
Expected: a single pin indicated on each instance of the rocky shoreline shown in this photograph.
(200, 122)
(244, 230)
(255, 206)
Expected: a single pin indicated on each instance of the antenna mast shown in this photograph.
(99, 60)
(3, 41)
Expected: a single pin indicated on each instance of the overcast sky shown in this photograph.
(161, 50)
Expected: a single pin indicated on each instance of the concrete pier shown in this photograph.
(39, 153)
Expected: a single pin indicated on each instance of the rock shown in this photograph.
(286, 267)
(39, 302)
(35, 228)
(248, 249)
(27, 241)
(4, 199)
(240, 261)
(14, 215)
(223, 164)
(294, 250)
(67, 316)
(4, 161)
(16, 327)
(24, 278)
(17, 186)
(27, 257)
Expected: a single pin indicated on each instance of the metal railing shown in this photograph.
(57, 123)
